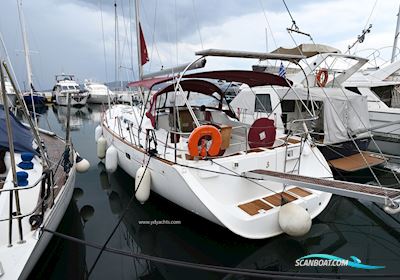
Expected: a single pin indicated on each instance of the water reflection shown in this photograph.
(64, 259)
(346, 228)
(78, 115)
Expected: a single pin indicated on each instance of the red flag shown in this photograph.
(144, 56)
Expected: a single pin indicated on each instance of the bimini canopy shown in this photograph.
(188, 85)
(307, 50)
(251, 78)
(345, 112)
(22, 137)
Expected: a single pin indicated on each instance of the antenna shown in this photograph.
(360, 38)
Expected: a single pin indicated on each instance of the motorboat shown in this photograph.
(338, 119)
(99, 93)
(381, 87)
(66, 85)
(186, 144)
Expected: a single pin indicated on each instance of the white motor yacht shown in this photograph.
(65, 84)
(99, 93)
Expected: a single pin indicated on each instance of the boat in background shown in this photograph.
(339, 120)
(37, 178)
(66, 85)
(34, 98)
(381, 87)
(99, 93)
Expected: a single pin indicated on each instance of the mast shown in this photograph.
(396, 36)
(139, 54)
(27, 58)
(116, 40)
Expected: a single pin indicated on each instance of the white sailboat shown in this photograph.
(214, 185)
(186, 144)
(37, 177)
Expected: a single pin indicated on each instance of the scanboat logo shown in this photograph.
(330, 260)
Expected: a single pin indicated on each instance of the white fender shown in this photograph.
(111, 159)
(143, 192)
(101, 147)
(97, 133)
(82, 165)
(392, 209)
(294, 219)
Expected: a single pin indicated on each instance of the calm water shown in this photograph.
(345, 228)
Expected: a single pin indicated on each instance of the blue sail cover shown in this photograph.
(22, 136)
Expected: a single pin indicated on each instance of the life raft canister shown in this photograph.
(322, 77)
(198, 138)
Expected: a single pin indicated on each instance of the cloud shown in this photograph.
(68, 34)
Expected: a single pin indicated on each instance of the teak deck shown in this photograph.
(266, 203)
(348, 189)
(55, 148)
(357, 162)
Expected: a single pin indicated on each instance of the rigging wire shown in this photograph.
(368, 20)
(176, 33)
(197, 23)
(153, 40)
(268, 25)
(350, 136)
(104, 40)
(125, 42)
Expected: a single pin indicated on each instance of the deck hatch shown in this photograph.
(253, 207)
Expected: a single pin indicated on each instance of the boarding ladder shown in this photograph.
(347, 189)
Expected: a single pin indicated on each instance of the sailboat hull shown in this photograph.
(210, 191)
(51, 223)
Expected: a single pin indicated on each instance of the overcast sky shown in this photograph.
(67, 35)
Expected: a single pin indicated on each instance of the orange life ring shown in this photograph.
(322, 77)
(200, 136)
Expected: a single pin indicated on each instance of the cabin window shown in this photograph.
(354, 89)
(263, 103)
(64, 88)
(384, 93)
(71, 87)
(317, 105)
(288, 106)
